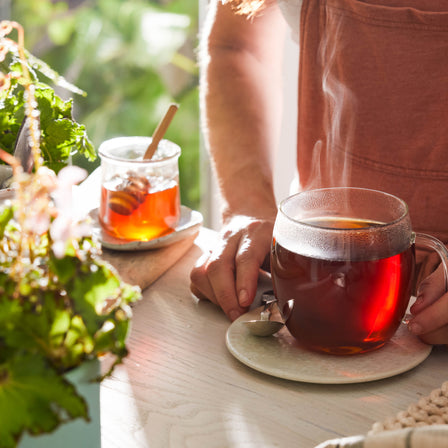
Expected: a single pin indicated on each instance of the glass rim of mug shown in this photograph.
(348, 229)
(115, 143)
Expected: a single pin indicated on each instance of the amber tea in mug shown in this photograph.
(140, 198)
(342, 263)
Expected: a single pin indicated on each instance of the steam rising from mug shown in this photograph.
(330, 160)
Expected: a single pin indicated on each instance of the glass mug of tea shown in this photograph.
(140, 198)
(343, 266)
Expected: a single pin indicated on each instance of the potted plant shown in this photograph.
(61, 306)
(61, 136)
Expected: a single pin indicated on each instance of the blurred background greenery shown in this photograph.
(132, 58)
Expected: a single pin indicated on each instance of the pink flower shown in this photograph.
(37, 209)
(67, 226)
(62, 195)
(47, 178)
(5, 81)
(5, 27)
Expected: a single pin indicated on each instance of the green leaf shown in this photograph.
(51, 74)
(60, 134)
(65, 268)
(6, 215)
(10, 312)
(35, 398)
(90, 291)
(60, 324)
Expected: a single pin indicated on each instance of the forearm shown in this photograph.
(241, 111)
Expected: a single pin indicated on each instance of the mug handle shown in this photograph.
(430, 242)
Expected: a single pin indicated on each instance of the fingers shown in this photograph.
(213, 277)
(429, 290)
(430, 321)
(197, 292)
(200, 285)
(430, 318)
(228, 276)
(221, 275)
(250, 257)
(436, 337)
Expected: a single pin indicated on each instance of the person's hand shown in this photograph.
(228, 275)
(430, 310)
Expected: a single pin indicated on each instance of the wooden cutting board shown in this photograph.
(142, 268)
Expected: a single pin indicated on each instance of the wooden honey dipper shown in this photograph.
(134, 188)
(160, 131)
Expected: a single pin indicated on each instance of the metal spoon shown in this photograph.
(264, 326)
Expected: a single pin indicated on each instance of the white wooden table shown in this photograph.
(180, 387)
